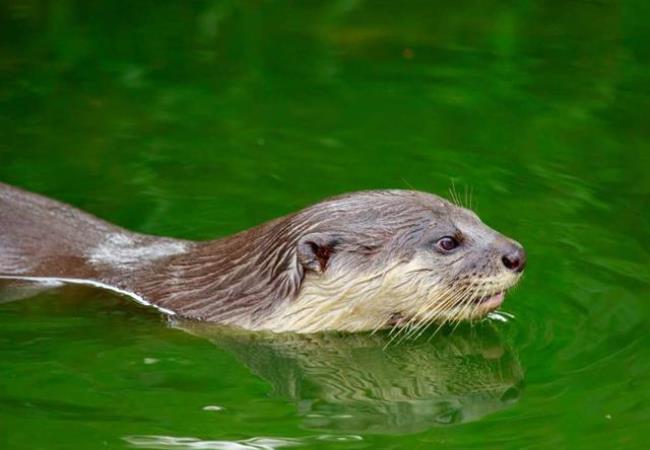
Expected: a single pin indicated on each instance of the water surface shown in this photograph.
(200, 119)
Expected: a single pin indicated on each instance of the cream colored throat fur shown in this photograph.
(351, 301)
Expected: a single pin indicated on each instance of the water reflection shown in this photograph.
(355, 383)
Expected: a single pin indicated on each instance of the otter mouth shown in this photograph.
(492, 301)
(483, 305)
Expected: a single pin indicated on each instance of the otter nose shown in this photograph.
(515, 258)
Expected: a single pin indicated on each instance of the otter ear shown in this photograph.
(315, 251)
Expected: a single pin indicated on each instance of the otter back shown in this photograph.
(44, 238)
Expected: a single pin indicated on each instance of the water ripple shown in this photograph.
(256, 443)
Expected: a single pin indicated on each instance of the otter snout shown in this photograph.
(514, 257)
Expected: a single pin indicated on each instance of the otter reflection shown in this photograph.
(353, 382)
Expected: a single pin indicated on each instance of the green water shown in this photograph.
(198, 119)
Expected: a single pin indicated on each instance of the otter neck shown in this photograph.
(237, 280)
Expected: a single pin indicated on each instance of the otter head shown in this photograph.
(378, 259)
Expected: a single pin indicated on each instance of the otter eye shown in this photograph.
(447, 243)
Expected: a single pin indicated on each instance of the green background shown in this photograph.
(198, 119)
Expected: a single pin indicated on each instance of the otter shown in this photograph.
(361, 261)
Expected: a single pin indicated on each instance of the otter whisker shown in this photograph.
(458, 297)
(424, 314)
(454, 194)
(421, 324)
